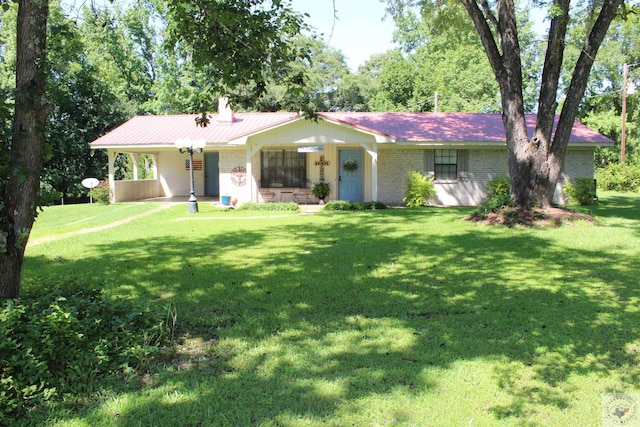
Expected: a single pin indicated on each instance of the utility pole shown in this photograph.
(623, 133)
(435, 108)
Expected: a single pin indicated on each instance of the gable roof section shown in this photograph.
(165, 130)
(154, 131)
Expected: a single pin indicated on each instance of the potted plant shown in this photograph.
(321, 190)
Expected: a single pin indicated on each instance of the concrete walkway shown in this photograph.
(164, 202)
(34, 242)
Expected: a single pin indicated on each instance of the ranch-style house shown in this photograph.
(263, 157)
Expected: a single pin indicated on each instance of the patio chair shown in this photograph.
(302, 196)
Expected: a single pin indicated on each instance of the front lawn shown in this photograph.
(391, 317)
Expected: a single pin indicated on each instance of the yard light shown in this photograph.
(189, 146)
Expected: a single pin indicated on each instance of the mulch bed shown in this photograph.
(548, 217)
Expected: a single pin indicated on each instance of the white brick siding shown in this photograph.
(228, 161)
(484, 165)
(578, 163)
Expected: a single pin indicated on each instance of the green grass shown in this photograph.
(393, 317)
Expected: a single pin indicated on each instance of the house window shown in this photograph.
(446, 165)
(283, 168)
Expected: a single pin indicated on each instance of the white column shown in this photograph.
(253, 197)
(154, 166)
(374, 172)
(372, 150)
(252, 150)
(134, 159)
(112, 176)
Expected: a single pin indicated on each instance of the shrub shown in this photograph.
(343, 205)
(419, 189)
(619, 177)
(63, 341)
(101, 193)
(583, 192)
(48, 195)
(498, 197)
(270, 206)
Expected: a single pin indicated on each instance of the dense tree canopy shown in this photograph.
(602, 106)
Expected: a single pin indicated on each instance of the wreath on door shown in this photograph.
(350, 165)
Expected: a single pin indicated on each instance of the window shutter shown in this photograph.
(429, 162)
(463, 164)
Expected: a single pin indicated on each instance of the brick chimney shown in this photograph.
(225, 113)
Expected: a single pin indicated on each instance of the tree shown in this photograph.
(242, 45)
(535, 164)
(119, 44)
(324, 70)
(84, 106)
(448, 62)
(602, 106)
(20, 183)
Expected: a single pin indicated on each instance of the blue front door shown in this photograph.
(211, 174)
(350, 175)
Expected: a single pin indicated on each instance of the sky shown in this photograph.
(359, 29)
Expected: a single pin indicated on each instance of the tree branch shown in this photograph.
(551, 71)
(581, 76)
(486, 36)
(489, 15)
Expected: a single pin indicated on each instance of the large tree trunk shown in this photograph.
(20, 196)
(535, 164)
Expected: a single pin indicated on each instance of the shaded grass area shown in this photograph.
(394, 317)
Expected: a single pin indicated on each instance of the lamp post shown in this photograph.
(623, 134)
(190, 146)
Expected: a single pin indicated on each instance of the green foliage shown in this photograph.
(443, 55)
(101, 193)
(397, 80)
(321, 189)
(241, 45)
(582, 193)
(499, 188)
(324, 76)
(619, 177)
(271, 206)
(498, 197)
(63, 341)
(48, 195)
(419, 190)
(85, 102)
(344, 205)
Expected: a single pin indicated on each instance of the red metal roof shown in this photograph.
(410, 127)
(450, 127)
(165, 130)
